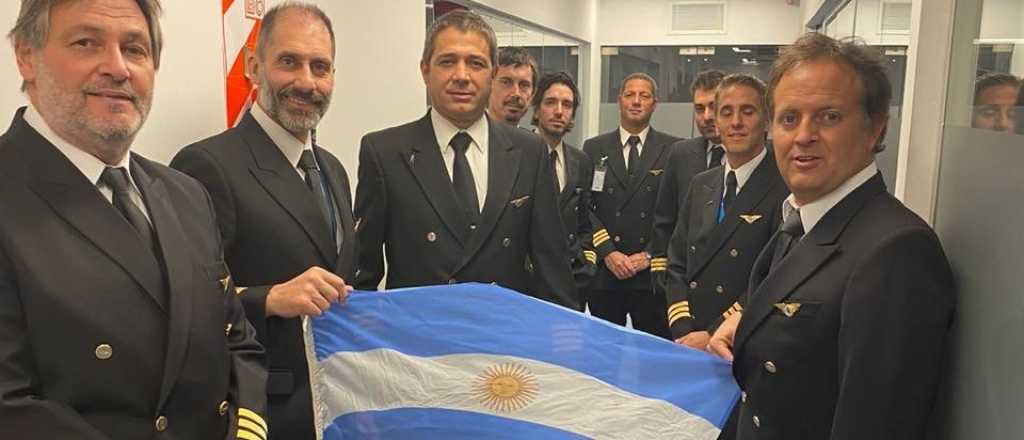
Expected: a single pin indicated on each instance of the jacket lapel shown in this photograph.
(615, 163)
(572, 163)
(803, 260)
(652, 151)
(698, 157)
(180, 272)
(753, 192)
(502, 170)
(712, 197)
(426, 164)
(79, 203)
(283, 183)
(344, 205)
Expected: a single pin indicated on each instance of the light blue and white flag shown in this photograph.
(476, 361)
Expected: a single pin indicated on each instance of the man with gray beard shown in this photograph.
(283, 204)
(118, 318)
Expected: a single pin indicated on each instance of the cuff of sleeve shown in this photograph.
(254, 300)
(659, 264)
(251, 426)
(603, 243)
(590, 257)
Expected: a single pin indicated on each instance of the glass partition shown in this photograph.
(553, 52)
(977, 210)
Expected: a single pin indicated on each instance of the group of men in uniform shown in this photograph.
(189, 283)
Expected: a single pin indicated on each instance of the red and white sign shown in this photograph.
(241, 23)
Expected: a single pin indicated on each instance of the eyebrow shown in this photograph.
(132, 35)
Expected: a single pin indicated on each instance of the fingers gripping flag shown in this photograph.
(474, 361)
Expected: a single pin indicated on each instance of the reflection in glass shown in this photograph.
(995, 100)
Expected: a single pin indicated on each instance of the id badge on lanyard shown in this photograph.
(599, 173)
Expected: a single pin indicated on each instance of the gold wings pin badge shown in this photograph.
(518, 203)
(750, 218)
(788, 309)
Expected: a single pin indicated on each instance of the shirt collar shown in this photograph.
(90, 166)
(624, 135)
(710, 145)
(744, 172)
(445, 131)
(560, 148)
(289, 145)
(812, 213)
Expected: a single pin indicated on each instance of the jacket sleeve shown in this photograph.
(198, 163)
(601, 240)
(247, 389)
(894, 320)
(583, 245)
(548, 248)
(371, 214)
(666, 207)
(25, 413)
(673, 280)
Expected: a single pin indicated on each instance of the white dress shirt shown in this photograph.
(811, 213)
(744, 172)
(292, 148)
(559, 164)
(289, 145)
(476, 154)
(90, 166)
(624, 136)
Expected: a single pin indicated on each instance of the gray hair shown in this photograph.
(643, 76)
(271, 17)
(465, 21)
(33, 24)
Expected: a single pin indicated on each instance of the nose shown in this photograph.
(304, 79)
(1003, 122)
(709, 114)
(736, 120)
(806, 133)
(114, 65)
(460, 73)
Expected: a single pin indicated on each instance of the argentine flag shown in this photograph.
(476, 361)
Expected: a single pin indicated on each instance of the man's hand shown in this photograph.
(309, 294)
(640, 261)
(721, 341)
(620, 265)
(697, 339)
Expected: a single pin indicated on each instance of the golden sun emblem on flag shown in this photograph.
(506, 387)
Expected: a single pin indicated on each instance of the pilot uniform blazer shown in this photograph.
(95, 341)
(406, 206)
(709, 262)
(623, 211)
(843, 340)
(273, 231)
(686, 159)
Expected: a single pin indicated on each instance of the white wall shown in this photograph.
(647, 22)
(565, 16)
(1002, 19)
(377, 85)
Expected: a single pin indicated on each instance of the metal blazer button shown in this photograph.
(223, 408)
(161, 424)
(104, 352)
(506, 242)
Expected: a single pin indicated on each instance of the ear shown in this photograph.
(25, 55)
(252, 65)
(878, 130)
(425, 70)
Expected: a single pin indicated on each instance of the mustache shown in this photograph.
(517, 101)
(107, 87)
(313, 97)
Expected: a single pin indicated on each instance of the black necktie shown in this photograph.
(730, 194)
(791, 231)
(717, 152)
(553, 155)
(462, 177)
(315, 182)
(117, 180)
(634, 156)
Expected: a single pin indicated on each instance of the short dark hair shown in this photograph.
(518, 56)
(989, 80)
(271, 17)
(706, 80)
(865, 62)
(542, 87)
(742, 79)
(465, 21)
(640, 75)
